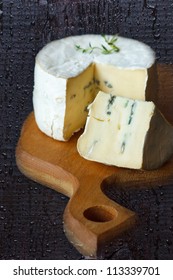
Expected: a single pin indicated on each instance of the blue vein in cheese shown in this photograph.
(124, 142)
(132, 112)
(110, 103)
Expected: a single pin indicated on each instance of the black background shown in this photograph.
(30, 214)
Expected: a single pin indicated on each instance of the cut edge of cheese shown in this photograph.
(80, 93)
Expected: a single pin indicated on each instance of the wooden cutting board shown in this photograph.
(90, 217)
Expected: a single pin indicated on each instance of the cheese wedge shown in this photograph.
(67, 79)
(126, 133)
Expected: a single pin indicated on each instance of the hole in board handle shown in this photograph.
(100, 213)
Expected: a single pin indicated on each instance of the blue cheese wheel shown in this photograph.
(67, 79)
(126, 133)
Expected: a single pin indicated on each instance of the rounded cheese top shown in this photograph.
(62, 59)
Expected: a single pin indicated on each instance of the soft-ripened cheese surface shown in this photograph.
(66, 80)
(115, 131)
(61, 59)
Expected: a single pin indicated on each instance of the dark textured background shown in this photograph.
(30, 214)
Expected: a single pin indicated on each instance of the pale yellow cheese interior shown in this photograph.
(80, 93)
(115, 134)
(123, 82)
(82, 89)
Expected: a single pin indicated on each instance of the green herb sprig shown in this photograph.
(111, 48)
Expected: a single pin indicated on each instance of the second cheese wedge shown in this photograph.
(126, 133)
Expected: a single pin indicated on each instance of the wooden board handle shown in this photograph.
(91, 219)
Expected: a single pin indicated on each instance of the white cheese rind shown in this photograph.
(49, 103)
(59, 61)
(116, 130)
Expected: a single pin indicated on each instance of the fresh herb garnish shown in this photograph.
(108, 49)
